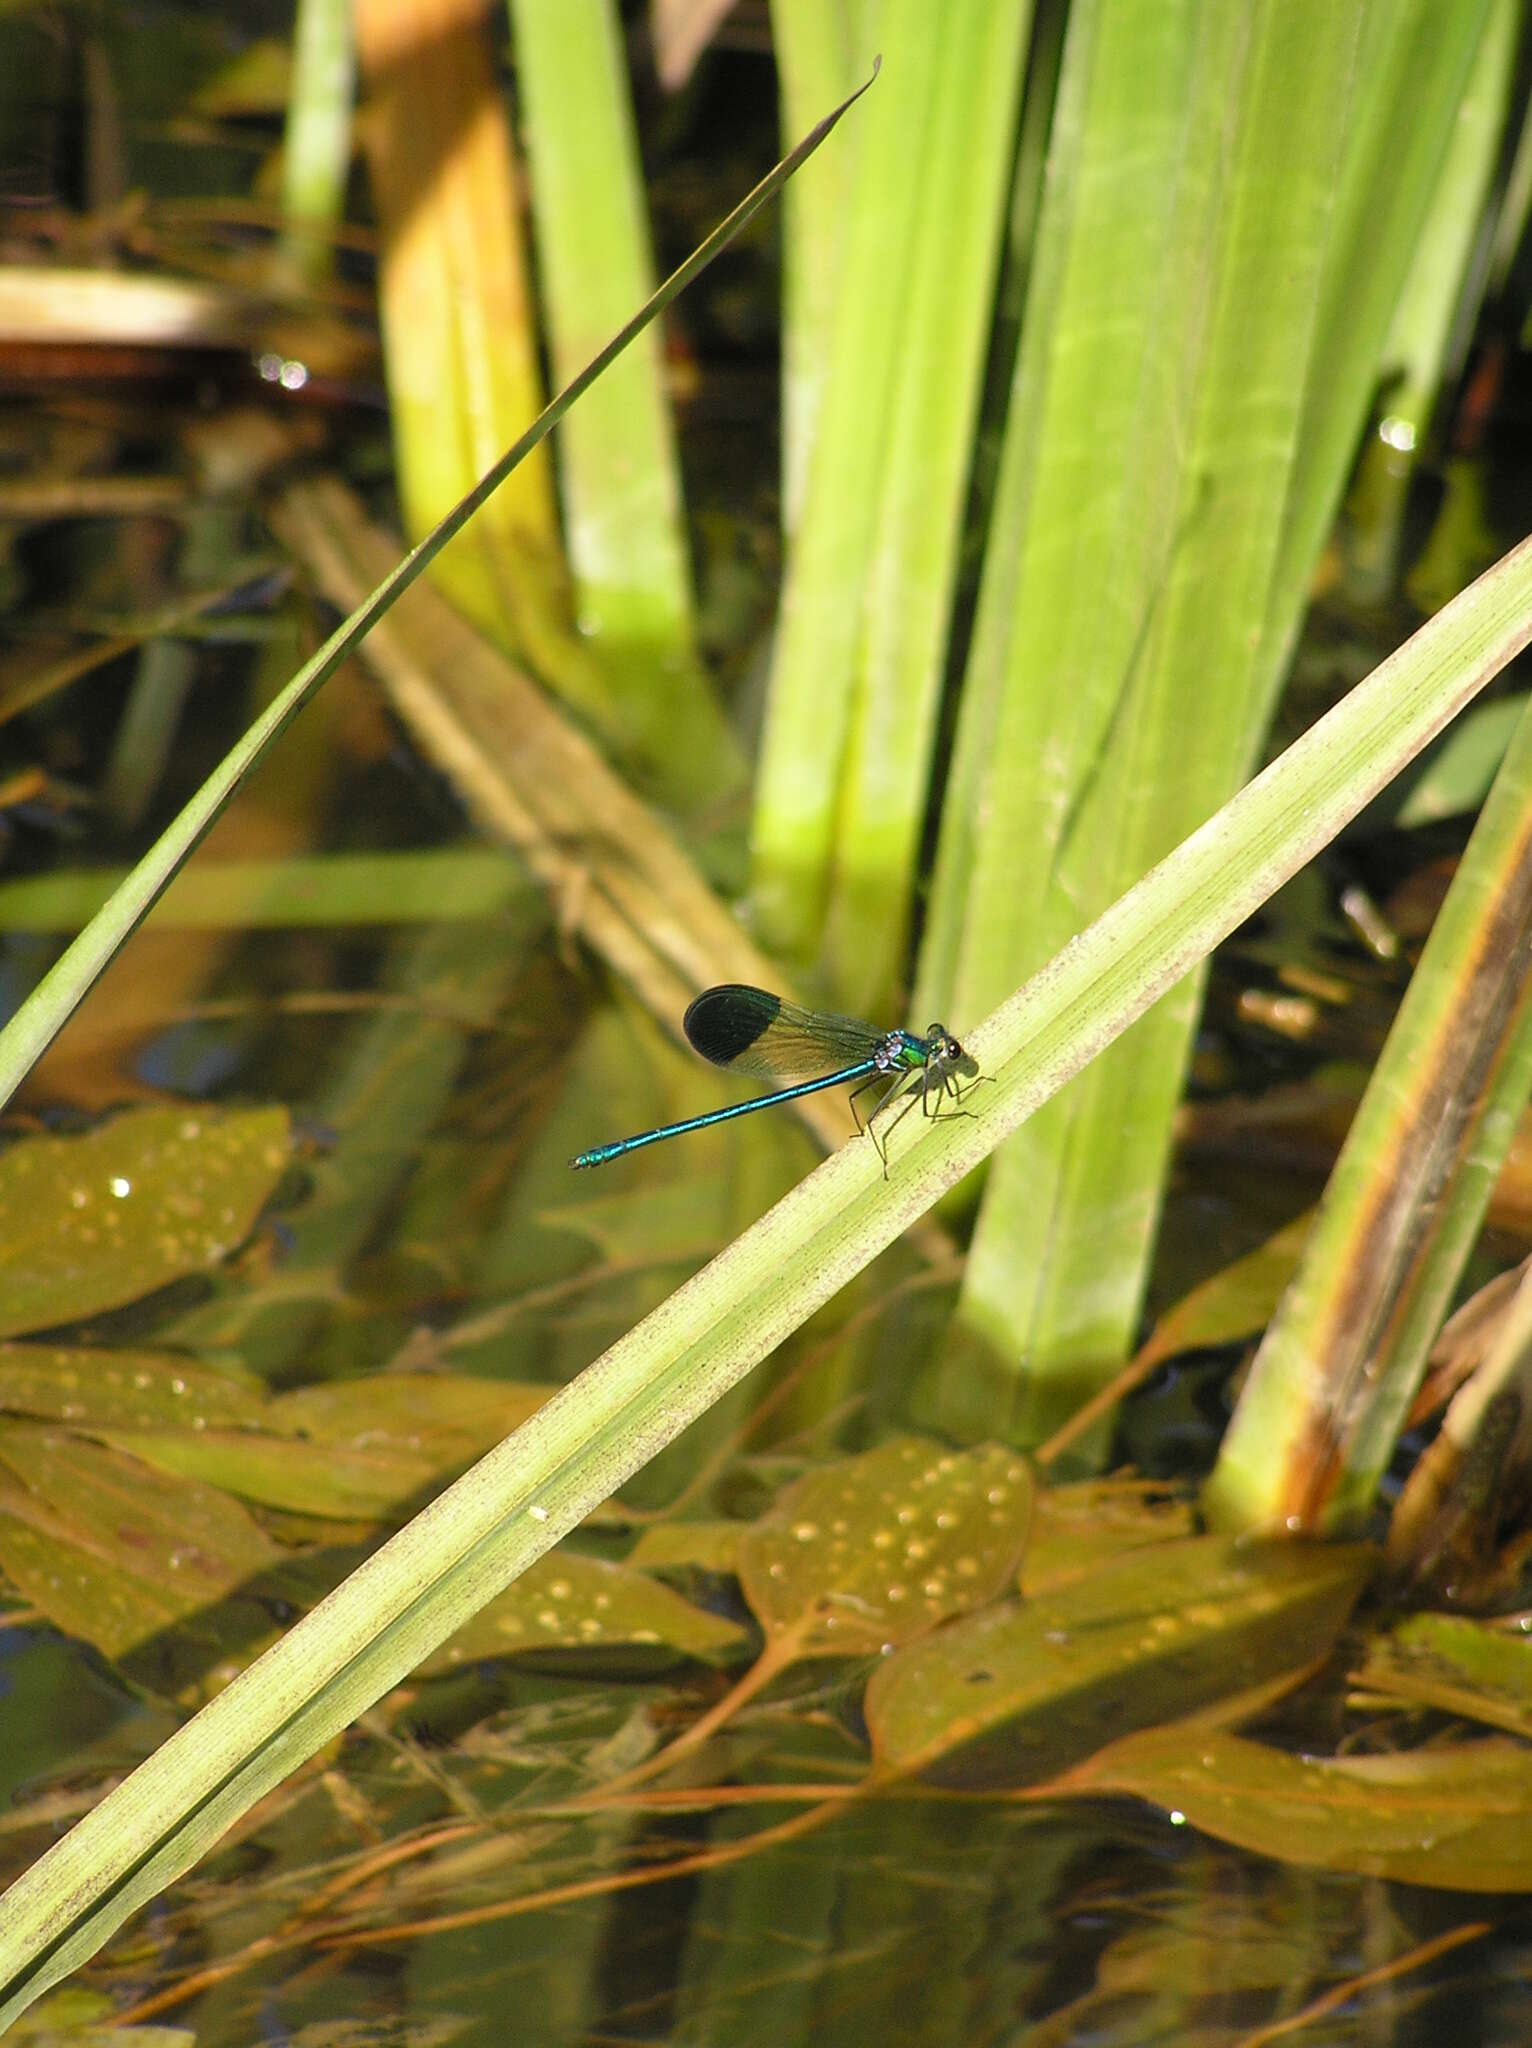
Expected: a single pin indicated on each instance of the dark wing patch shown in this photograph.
(751, 1031)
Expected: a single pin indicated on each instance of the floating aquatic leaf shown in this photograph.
(1076, 1529)
(880, 1548)
(867, 1552)
(569, 1602)
(123, 1389)
(1453, 1816)
(695, 1546)
(88, 1223)
(354, 1448)
(1018, 1692)
(444, 1417)
(1458, 1665)
(107, 1548)
(286, 1472)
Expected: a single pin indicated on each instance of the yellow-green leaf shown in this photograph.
(694, 1546)
(1017, 1693)
(108, 1549)
(285, 1472)
(443, 1417)
(1076, 1529)
(1457, 1665)
(88, 1223)
(568, 1602)
(1452, 1817)
(879, 1548)
(100, 1389)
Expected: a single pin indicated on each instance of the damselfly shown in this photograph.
(750, 1031)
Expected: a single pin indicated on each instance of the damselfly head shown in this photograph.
(949, 1051)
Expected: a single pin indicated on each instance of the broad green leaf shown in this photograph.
(567, 1602)
(696, 1546)
(285, 1472)
(101, 1389)
(882, 1547)
(1017, 1693)
(89, 1223)
(108, 1549)
(440, 1416)
(350, 1448)
(1453, 1817)
(1077, 1529)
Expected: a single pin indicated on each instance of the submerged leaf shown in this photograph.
(1078, 1528)
(74, 2018)
(444, 1417)
(364, 1447)
(1454, 1817)
(880, 1548)
(1017, 1693)
(285, 1472)
(689, 1546)
(91, 1222)
(1457, 1665)
(101, 1389)
(569, 1602)
(110, 1551)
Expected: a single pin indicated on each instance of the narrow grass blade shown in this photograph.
(809, 708)
(619, 478)
(316, 150)
(904, 610)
